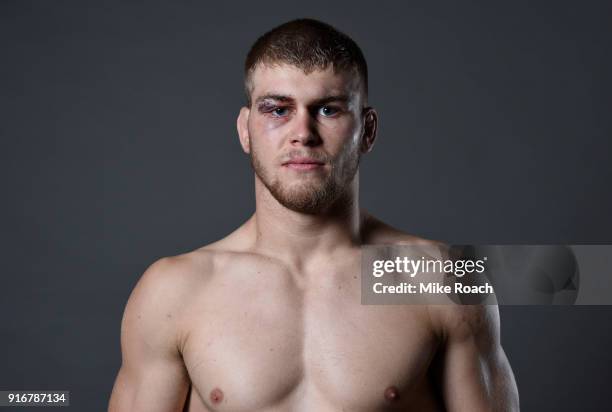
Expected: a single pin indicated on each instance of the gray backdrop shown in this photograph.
(118, 146)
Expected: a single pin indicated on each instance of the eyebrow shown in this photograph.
(277, 97)
(342, 98)
(339, 98)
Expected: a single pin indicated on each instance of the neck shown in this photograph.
(296, 236)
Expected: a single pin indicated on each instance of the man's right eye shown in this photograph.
(280, 111)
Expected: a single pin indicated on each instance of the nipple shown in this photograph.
(216, 396)
(391, 394)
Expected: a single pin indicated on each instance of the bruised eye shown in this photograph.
(280, 111)
(328, 111)
(273, 110)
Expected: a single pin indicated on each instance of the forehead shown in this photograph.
(284, 79)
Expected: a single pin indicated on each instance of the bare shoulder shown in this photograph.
(172, 277)
(378, 232)
(163, 292)
(173, 280)
(458, 320)
(176, 278)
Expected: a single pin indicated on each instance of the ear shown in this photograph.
(243, 130)
(370, 126)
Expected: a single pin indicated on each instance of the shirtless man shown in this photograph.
(269, 318)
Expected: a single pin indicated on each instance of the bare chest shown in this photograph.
(259, 341)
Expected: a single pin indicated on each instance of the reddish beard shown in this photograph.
(314, 195)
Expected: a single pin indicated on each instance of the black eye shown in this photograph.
(280, 111)
(328, 111)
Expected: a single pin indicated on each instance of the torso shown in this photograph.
(259, 336)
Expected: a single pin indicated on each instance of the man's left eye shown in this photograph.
(328, 111)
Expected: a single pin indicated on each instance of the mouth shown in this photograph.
(303, 163)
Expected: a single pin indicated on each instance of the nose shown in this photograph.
(304, 131)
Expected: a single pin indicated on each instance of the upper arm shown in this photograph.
(476, 374)
(152, 375)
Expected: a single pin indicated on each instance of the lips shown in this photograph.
(303, 163)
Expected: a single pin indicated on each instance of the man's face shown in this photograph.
(304, 134)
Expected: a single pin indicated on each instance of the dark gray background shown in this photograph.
(118, 146)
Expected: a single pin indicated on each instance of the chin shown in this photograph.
(313, 198)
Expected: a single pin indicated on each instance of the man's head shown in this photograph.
(306, 123)
(308, 45)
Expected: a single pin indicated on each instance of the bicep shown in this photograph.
(151, 387)
(152, 375)
(476, 373)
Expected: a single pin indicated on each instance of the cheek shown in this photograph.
(268, 126)
(264, 136)
(262, 158)
(343, 137)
